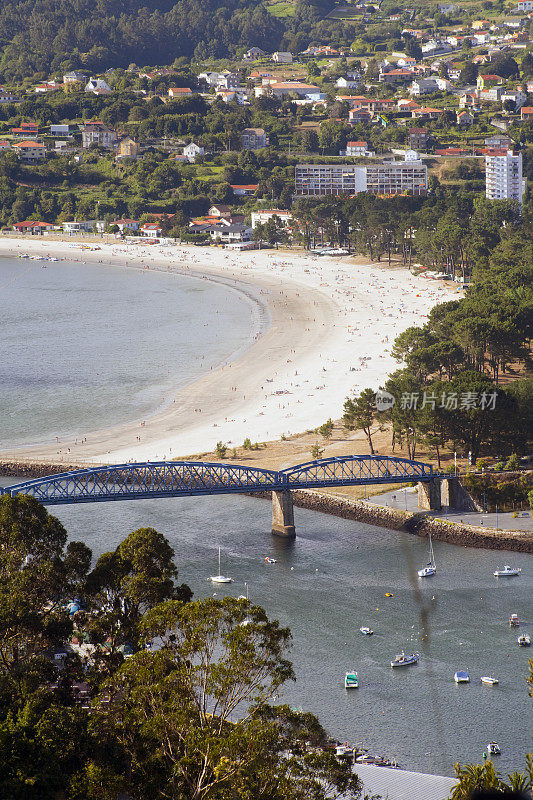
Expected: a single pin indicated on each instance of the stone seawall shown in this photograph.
(19, 470)
(419, 524)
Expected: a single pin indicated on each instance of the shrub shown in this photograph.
(513, 463)
(316, 451)
(221, 450)
(247, 444)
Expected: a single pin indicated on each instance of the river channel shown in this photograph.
(334, 579)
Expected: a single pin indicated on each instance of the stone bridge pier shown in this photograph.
(283, 515)
(429, 495)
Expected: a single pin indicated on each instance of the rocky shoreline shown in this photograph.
(419, 523)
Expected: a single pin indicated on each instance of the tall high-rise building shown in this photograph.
(503, 175)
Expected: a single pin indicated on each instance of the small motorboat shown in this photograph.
(514, 622)
(493, 748)
(389, 594)
(461, 676)
(366, 631)
(351, 681)
(507, 571)
(524, 640)
(270, 560)
(344, 752)
(490, 680)
(402, 660)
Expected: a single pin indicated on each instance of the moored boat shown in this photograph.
(494, 749)
(507, 571)
(524, 640)
(514, 622)
(220, 578)
(402, 660)
(366, 631)
(490, 680)
(431, 568)
(351, 681)
(462, 676)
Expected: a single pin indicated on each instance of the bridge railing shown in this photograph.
(183, 478)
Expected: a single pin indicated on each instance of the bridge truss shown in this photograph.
(187, 478)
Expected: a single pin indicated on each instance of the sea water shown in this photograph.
(85, 346)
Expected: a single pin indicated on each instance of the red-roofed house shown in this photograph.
(526, 113)
(244, 189)
(32, 227)
(465, 118)
(30, 151)
(178, 91)
(151, 230)
(427, 113)
(125, 225)
(26, 129)
(396, 76)
(357, 149)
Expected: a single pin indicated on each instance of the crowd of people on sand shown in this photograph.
(340, 319)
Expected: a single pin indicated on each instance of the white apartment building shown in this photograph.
(261, 217)
(393, 177)
(503, 175)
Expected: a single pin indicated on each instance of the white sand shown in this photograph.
(333, 325)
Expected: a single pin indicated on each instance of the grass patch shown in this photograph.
(281, 9)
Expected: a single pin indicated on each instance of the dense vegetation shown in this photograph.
(189, 720)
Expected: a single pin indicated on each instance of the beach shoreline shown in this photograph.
(332, 323)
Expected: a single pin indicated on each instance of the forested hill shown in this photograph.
(61, 34)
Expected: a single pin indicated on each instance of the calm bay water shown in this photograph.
(86, 345)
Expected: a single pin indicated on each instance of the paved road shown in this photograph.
(407, 500)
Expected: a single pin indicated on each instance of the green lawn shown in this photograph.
(281, 9)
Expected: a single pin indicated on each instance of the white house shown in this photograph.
(97, 86)
(346, 83)
(263, 216)
(231, 233)
(525, 5)
(127, 225)
(84, 226)
(355, 149)
(151, 230)
(192, 150)
(423, 86)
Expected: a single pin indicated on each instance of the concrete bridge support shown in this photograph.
(283, 515)
(429, 495)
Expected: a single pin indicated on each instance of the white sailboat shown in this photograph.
(220, 578)
(431, 568)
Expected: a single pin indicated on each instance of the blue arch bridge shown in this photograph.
(189, 478)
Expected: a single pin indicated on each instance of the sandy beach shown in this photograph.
(333, 323)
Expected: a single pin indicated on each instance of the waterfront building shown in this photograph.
(503, 175)
(387, 178)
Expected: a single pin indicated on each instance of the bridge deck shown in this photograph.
(186, 478)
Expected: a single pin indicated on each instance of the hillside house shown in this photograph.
(179, 91)
(244, 189)
(253, 139)
(282, 58)
(127, 225)
(192, 150)
(128, 148)
(32, 227)
(26, 129)
(30, 151)
(465, 117)
(95, 132)
(97, 86)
